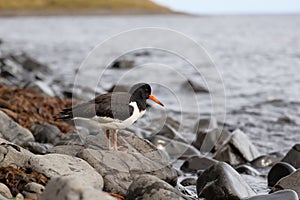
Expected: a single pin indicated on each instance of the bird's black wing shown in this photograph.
(111, 105)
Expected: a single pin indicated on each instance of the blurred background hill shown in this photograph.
(45, 7)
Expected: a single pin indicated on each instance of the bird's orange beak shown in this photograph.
(153, 98)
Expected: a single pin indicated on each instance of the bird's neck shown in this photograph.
(141, 103)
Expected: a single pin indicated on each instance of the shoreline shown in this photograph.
(85, 12)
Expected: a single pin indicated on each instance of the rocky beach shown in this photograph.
(45, 158)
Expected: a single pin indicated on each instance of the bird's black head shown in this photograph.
(142, 92)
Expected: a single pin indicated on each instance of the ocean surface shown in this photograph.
(257, 58)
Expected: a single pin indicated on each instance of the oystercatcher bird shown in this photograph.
(113, 111)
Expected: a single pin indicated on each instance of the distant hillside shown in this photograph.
(73, 5)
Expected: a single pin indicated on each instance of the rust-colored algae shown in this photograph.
(16, 179)
(28, 107)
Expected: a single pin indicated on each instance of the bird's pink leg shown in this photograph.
(116, 147)
(108, 140)
(115, 140)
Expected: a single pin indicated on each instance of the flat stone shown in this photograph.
(13, 132)
(33, 190)
(52, 165)
(221, 181)
(280, 195)
(289, 182)
(149, 187)
(69, 188)
(279, 171)
(293, 156)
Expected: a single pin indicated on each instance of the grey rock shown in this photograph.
(188, 182)
(123, 64)
(52, 165)
(197, 87)
(4, 191)
(280, 195)
(246, 169)
(46, 133)
(239, 149)
(293, 156)
(13, 132)
(38, 148)
(279, 171)
(3, 198)
(68, 188)
(71, 150)
(209, 137)
(30, 64)
(11, 154)
(266, 160)
(119, 168)
(19, 197)
(289, 182)
(195, 163)
(33, 190)
(175, 149)
(41, 88)
(221, 181)
(149, 187)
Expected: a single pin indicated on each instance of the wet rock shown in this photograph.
(239, 149)
(280, 195)
(33, 190)
(40, 87)
(221, 181)
(46, 133)
(10, 69)
(289, 182)
(4, 191)
(170, 132)
(279, 171)
(123, 64)
(63, 165)
(188, 182)
(13, 132)
(30, 64)
(208, 135)
(69, 188)
(173, 148)
(246, 169)
(197, 87)
(266, 160)
(195, 163)
(142, 53)
(38, 148)
(149, 187)
(293, 156)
